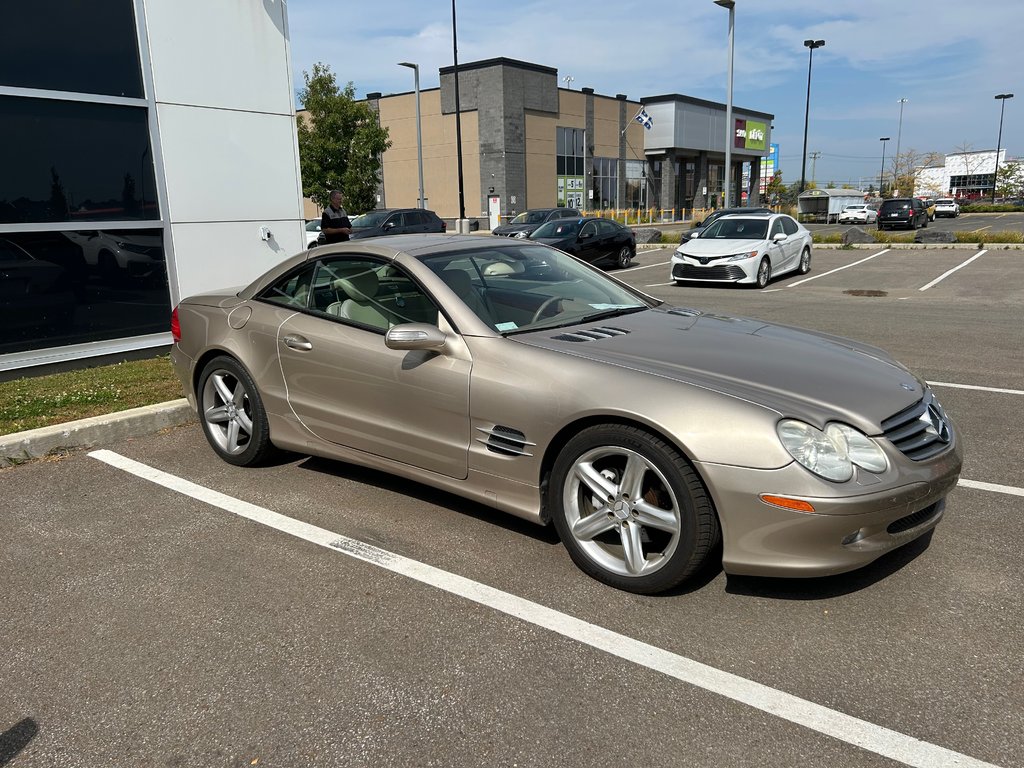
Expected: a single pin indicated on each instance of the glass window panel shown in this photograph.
(62, 288)
(72, 161)
(78, 47)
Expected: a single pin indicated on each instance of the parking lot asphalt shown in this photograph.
(181, 611)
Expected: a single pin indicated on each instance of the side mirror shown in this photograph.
(415, 336)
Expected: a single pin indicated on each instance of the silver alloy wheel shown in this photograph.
(621, 511)
(227, 412)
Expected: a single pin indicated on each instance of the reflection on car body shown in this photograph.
(515, 375)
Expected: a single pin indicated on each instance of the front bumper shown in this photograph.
(845, 532)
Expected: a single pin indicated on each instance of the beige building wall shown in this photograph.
(440, 161)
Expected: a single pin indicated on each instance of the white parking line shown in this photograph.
(972, 386)
(946, 274)
(852, 730)
(837, 269)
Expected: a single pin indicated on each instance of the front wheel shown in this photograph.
(630, 510)
(624, 258)
(805, 261)
(232, 414)
(764, 273)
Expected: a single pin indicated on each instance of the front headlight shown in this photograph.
(831, 453)
(743, 256)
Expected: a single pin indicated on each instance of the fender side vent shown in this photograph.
(505, 441)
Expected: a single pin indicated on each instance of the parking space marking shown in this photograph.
(852, 730)
(837, 269)
(974, 386)
(946, 274)
(995, 488)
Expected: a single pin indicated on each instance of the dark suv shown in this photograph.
(527, 221)
(717, 214)
(396, 221)
(906, 212)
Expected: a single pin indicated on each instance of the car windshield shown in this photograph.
(530, 217)
(558, 228)
(371, 219)
(526, 287)
(736, 229)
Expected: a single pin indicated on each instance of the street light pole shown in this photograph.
(811, 45)
(881, 173)
(458, 122)
(419, 130)
(1002, 105)
(730, 129)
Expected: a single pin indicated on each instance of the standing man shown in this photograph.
(334, 224)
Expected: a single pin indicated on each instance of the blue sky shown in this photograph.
(948, 58)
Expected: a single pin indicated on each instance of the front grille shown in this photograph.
(920, 431)
(723, 272)
(914, 520)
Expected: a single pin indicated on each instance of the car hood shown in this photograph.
(699, 247)
(798, 373)
(507, 229)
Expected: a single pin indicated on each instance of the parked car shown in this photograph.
(714, 216)
(858, 214)
(527, 221)
(595, 240)
(947, 206)
(312, 232)
(748, 249)
(396, 221)
(652, 437)
(908, 212)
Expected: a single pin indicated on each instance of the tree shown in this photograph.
(340, 142)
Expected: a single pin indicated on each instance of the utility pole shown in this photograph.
(814, 163)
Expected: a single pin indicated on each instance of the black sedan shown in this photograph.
(594, 240)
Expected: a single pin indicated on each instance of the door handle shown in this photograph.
(297, 342)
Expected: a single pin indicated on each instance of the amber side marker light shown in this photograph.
(799, 505)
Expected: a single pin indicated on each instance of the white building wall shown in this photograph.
(227, 148)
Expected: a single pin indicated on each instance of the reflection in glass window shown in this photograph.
(76, 47)
(72, 161)
(62, 288)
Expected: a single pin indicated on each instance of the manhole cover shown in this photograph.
(862, 292)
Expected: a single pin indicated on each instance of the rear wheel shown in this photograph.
(624, 258)
(630, 510)
(232, 414)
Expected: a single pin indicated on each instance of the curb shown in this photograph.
(97, 430)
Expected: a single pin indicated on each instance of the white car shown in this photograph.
(947, 206)
(744, 248)
(858, 214)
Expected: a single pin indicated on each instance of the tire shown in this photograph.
(625, 256)
(764, 273)
(232, 413)
(805, 261)
(655, 530)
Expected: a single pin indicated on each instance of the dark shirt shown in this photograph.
(334, 218)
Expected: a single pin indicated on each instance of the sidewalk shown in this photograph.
(86, 433)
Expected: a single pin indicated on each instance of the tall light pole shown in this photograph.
(458, 122)
(899, 133)
(811, 45)
(419, 130)
(1002, 105)
(730, 129)
(881, 173)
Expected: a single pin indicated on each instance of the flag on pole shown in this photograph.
(644, 119)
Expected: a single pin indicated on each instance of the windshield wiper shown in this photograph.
(617, 312)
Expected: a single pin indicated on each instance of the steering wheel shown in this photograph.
(540, 310)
